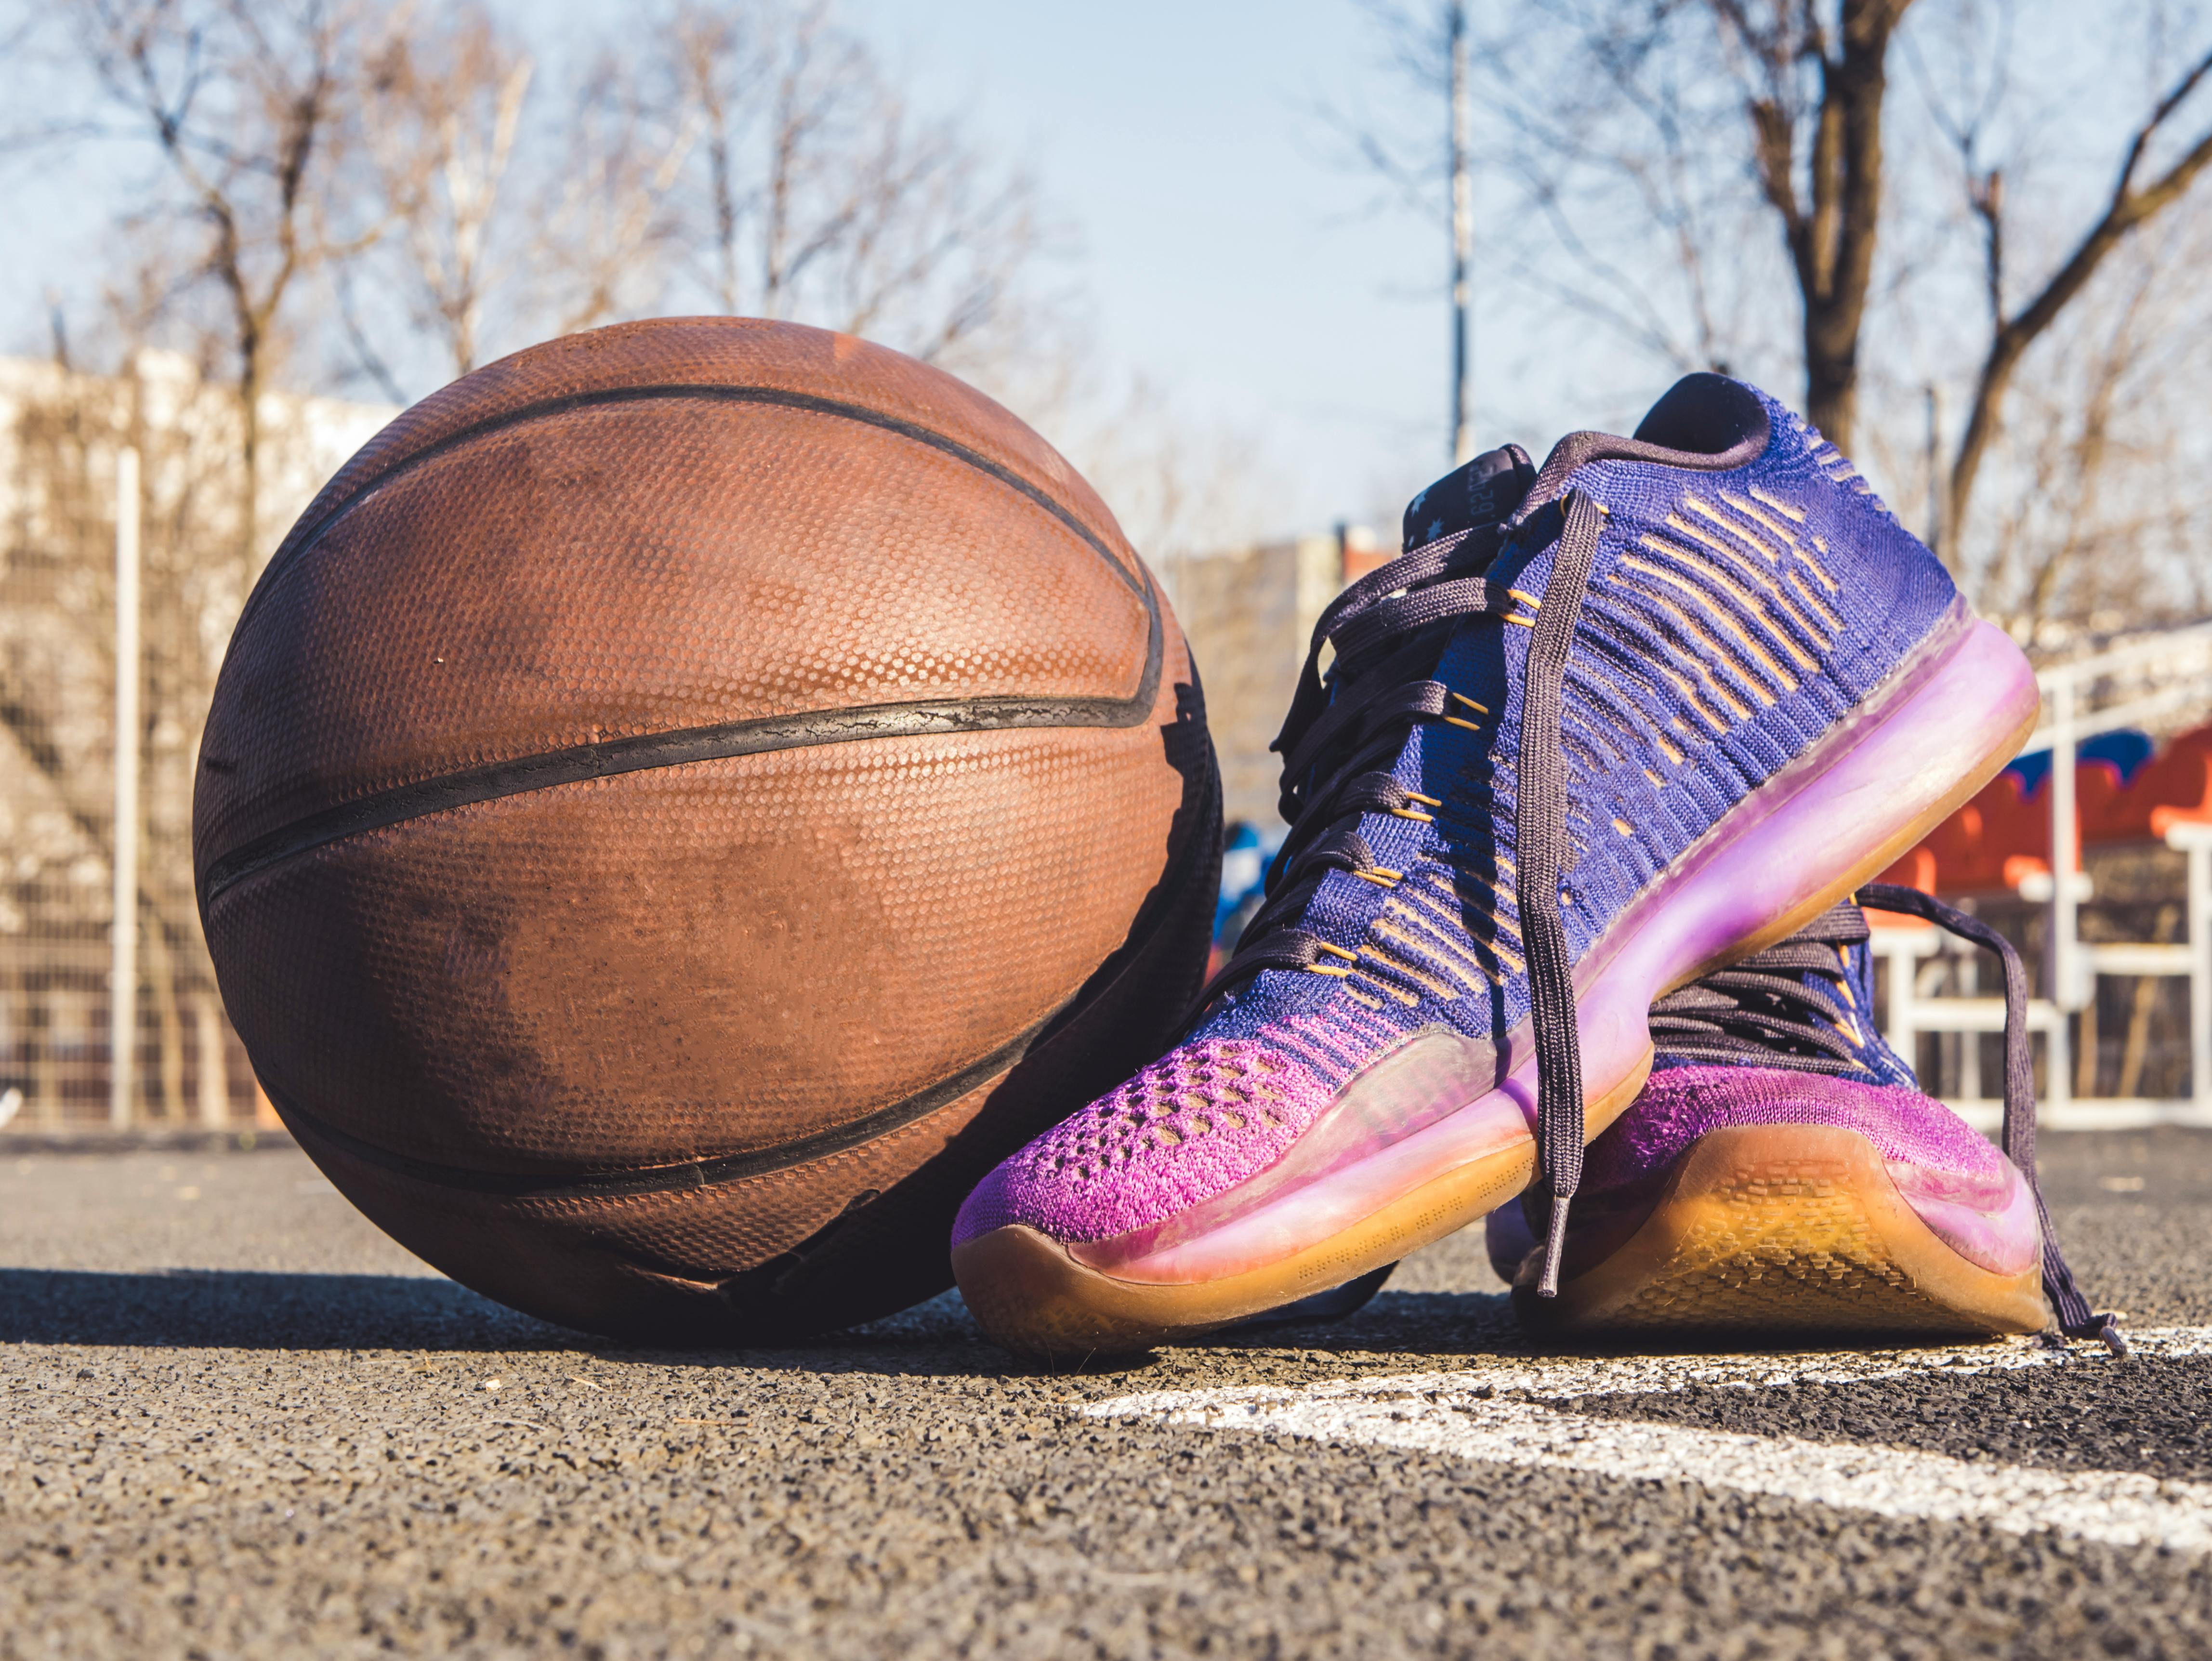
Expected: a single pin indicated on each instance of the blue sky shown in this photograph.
(1230, 253)
(1227, 252)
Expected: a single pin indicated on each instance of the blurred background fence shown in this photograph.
(88, 465)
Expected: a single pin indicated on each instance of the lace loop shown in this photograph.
(1356, 719)
(1463, 550)
(1760, 1012)
(2075, 1318)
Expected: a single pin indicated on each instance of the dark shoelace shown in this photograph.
(1762, 1013)
(1343, 735)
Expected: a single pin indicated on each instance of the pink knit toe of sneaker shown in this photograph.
(1682, 1104)
(1192, 1125)
(1957, 1181)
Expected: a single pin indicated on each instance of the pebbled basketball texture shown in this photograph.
(686, 801)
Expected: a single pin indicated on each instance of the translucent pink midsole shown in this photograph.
(1998, 1232)
(1867, 782)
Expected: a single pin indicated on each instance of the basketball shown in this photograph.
(683, 803)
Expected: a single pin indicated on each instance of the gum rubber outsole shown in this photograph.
(1786, 1228)
(1031, 1295)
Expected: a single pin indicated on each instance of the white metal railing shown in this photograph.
(2168, 672)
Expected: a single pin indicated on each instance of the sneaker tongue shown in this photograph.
(1482, 492)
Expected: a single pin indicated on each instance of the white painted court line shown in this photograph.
(1484, 1414)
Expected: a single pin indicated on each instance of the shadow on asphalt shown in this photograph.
(940, 1338)
(242, 1309)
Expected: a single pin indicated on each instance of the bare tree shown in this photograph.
(718, 67)
(2102, 500)
(608, 224)
(249, 105)
(1653, 137)
(814, 190)
(2135, 202)
(444, 104)
(1650, 127)
(1815, 89)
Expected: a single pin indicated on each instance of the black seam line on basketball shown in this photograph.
(649, 750)
(766, 395)
(693, 1175)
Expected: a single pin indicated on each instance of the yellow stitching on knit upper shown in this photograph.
(1833, 618)
(1722, 522)
(1777, 504)
(1440, 990)
(1744, 670)
(1748, 601)
(1608, 726)
(1496, 947)
(1454, 957)
(1402, 995)
(1502, 959)
(1689, 694)
(1766, 578)
(1676, 522)
(1817, 568)
(1749, 511)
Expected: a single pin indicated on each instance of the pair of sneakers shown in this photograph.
(1579, 788)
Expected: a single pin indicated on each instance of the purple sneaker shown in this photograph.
(1608, 724)
(1783, 1172)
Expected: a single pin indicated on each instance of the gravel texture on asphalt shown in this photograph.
(240, 1422)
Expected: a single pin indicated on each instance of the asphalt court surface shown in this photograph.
(239, 1421)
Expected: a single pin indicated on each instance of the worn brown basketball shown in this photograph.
(681, 804)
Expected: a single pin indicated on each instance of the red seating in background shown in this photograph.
(1993, 842)
(2002, 836)
(2175, 787)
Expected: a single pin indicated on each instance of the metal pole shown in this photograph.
(1462, 227)
(1899, 1024)
(123, 932)
(2065, 832)
(2065, 890)
(2200, 973)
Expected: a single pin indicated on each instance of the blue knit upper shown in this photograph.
(1731, 618)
